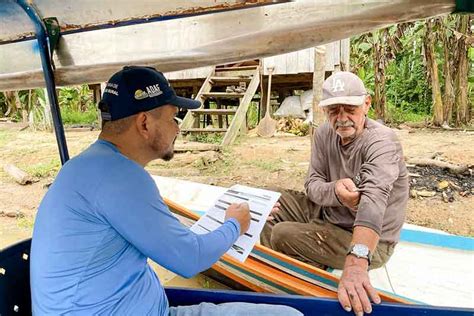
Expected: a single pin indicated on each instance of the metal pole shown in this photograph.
(42, 37)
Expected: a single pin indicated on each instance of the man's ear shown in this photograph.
(367, 104)
(142, 124)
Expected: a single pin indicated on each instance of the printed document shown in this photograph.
(260, 202)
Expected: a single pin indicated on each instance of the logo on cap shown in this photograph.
(140, 94)
(151, 91)
(337, 85)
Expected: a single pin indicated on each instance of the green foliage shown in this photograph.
(408, 94)
(398, 116)
(76, 98)
(407, 87)
(3, 104)
(72, 117)
(77, 105)
(210, 138)
(252, 115)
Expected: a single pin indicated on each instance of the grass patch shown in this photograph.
(211, 138)
(398, 116)
(222, 167)
(25, 222)
(267, 165)
(43, 170)
(71, 117)
(5, 137)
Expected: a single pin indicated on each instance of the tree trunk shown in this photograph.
(10, 101)
(462, 69)
(449, 96)
(379, 73)
(48, 117)
(19, 105)
(432, 66)
(318, 79)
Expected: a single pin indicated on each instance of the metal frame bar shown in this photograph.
(43, 44)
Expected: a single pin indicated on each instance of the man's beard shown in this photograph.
(168, 155)
(165, 154)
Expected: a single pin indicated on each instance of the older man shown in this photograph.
(104, 216)
(356, 195)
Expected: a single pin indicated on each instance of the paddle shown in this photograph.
(267, 126)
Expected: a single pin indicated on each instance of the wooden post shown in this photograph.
(48, 117)
(318, 79)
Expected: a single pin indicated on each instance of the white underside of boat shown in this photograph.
(434, 274)
(98, 38)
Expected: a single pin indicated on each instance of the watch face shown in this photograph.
(360, 250)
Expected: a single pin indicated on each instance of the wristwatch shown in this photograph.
(360, 251)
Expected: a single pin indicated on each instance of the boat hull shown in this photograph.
(86, 55)
(307, 305)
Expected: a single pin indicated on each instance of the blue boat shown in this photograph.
(15, 294)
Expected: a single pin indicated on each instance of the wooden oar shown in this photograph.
(280, 272)
(267, 126)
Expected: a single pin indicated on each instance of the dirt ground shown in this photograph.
(279, 161)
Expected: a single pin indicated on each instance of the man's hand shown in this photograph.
(347, 194)
(354, 287)
(241, 213)
(275, 209)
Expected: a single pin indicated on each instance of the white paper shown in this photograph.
(260, 202)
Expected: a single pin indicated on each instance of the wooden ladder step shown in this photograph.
(223, 95)
(253, 67)
(204, 130)
(231, 79)
(214, 111)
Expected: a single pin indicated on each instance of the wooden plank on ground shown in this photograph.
(196, 147)
(17, 174)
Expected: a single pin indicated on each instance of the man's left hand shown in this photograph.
(275, 209)
(354, 287)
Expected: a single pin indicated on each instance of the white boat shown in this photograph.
(98, 38)
(428, 266)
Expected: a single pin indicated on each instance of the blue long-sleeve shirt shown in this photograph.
(99, 222)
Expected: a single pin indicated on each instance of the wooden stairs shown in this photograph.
(230, 91)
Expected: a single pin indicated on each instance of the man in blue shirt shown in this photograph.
(103, 216)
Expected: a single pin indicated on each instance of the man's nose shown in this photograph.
(341, 115)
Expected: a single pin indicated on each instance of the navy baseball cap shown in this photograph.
(136, 89)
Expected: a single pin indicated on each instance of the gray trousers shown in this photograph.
(234, 309)
(299, 231)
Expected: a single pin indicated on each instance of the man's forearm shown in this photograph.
(322, 193)
(366, 236)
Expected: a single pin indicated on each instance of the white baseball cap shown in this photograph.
(343, 87)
